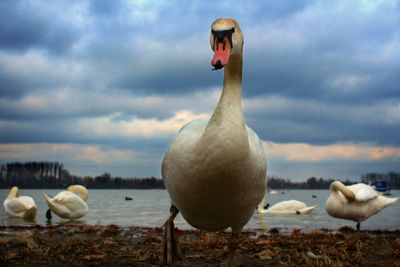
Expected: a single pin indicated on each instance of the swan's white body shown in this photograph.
(67, 204)
(19, 206)
(286, 207)
(355, 202)
(215, 170)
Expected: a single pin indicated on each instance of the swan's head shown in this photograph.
(226, 39)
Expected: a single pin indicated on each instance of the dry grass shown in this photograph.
(83, 245)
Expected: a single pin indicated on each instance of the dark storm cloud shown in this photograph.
(328, 170)
(25, 25)
(105, 8)
(286, 120)
(308, 55)
(161, 80)
(115, 36)
(318, 72)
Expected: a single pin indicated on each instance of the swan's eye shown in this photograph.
(219, 36)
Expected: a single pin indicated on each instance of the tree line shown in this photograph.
(310, 183)
(393, 178)
(54, 175)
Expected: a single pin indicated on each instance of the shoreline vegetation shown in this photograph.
(85, 245)
(53, 175)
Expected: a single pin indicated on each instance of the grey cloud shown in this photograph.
(25, 25)
(123, 105)
(336, 64)
(294, 120)
(340, 169)
(105, 8)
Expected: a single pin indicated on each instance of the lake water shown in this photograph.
(151, 208)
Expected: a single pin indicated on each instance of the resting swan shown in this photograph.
(355, 202)
(215, 170)
(68, 205)
(19, 206)
(286, 207)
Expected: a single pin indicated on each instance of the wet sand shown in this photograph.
(85, 245)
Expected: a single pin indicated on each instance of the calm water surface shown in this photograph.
(151, 208)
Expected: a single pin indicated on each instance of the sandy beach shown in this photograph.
(85, 245)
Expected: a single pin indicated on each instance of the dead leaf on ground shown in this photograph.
(93, 257)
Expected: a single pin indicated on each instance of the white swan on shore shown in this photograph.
(355, 202)
(286, 207)
(67, 204)
(19, 206)
(215, 170)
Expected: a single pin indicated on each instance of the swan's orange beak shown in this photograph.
(222, 50)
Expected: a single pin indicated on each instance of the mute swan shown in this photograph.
(19, 206)
(68, 205)
(355, 202)
(286, 207)
(271, 191)
(215, 169)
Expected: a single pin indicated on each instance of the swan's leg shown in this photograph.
(48, 215)
(358, 226)
(169, 250)
(233, 244)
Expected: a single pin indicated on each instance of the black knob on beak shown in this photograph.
(218, 65)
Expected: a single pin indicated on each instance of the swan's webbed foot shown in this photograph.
(233, 244)
(358, 226)
(169, 250)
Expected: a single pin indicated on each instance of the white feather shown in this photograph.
(215, 170)
(356, 202)
(68, 205)
(19, 206)
(287, 207)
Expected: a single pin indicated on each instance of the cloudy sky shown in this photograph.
(103, 86)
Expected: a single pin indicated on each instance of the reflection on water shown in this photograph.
(151, 208)
(261, 222)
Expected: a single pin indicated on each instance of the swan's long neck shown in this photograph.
(13, 193)
(83, 193)
(232, 90)
(229, 108)
(226, 123)
(338, 186)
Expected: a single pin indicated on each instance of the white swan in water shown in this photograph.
(19, 206)
(215, 170)
(67, 204)
(355, 202)
(286, 207)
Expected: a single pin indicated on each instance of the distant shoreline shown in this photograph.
(53, 175)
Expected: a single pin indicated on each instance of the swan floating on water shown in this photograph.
(215, 170)
(271, 191)
(286, 207)
(67, 204)
(19, 206)
(355, 202)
